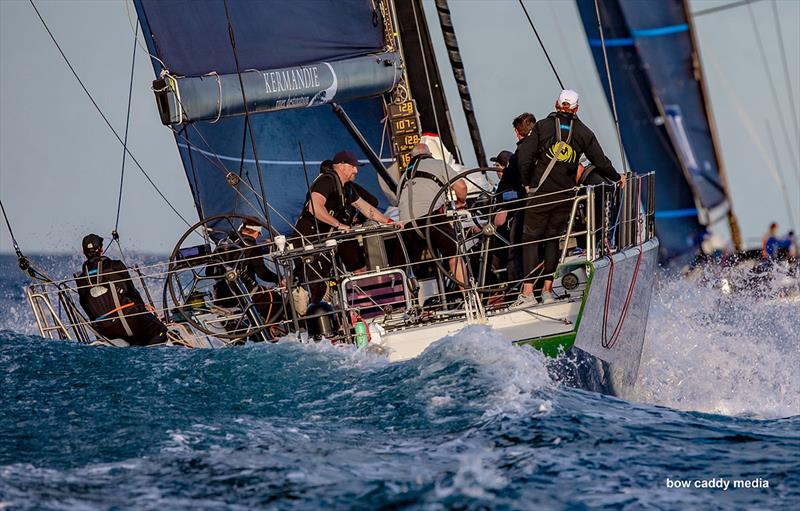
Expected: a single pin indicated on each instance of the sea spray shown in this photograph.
(731, 354)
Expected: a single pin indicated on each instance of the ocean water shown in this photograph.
(473, 423)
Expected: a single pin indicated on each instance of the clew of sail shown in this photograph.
(295, 57)
(664, 119)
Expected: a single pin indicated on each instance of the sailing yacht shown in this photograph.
(257, 96)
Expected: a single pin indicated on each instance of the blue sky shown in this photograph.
(60, 165)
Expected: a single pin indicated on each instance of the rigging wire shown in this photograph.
(725, 7)
(142, 45)
(541, 43)
(24, 263)
(10, 231)
(781, 182)
(247, 121)
(772, 89)
(611, 89)
(100, 111)
(789, 89)
(114, 233)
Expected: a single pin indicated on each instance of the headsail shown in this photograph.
(664, 120)
(293, 55)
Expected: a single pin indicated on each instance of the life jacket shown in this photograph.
(344, 213)
(106, 300)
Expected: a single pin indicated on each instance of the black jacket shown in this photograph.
(102, 271)
(535, 152)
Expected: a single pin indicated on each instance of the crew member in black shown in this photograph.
(328, 208)
(244, 250)
(512, 190)
(548, 163)
(113, 304)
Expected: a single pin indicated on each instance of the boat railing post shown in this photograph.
(619, 228)
(627, 213)
(568, 234)
(34, 307)
(590, 223)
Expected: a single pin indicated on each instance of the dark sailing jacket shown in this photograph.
(339, 200)
(104, 285)
(536, 151)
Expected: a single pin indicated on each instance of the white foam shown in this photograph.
(737, 357)
(511, 374)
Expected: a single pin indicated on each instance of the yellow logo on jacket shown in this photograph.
(566, 154)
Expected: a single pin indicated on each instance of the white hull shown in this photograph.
(571, 323)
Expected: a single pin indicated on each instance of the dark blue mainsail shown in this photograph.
(192, 50)
(662, 112)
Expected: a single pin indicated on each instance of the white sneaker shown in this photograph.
(547, 297)
(523, 301)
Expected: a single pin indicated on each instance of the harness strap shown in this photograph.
(410, 174)
(560, 145)
(120, 308)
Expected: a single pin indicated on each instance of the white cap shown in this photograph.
(570, 97)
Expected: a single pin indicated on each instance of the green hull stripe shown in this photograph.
(555, 345)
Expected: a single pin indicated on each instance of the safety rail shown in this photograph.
(391, 292)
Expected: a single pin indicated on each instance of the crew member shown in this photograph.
(513, 190)
(548, 163)
(111, 302)
(419, 186)
(770, 243)
(241, 251)
(328, 208)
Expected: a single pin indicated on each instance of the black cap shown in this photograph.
(346, 157)
(503, 157)
(91, 243)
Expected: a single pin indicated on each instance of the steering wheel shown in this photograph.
(479, 237)
(205, 282)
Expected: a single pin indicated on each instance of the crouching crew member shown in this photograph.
(548, 161)
(113, 304)
(243, 252)
(328, 209)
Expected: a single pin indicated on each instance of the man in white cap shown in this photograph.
(548, 161)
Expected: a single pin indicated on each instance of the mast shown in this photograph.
(733, 223)
(454, 54)
(422, 72)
